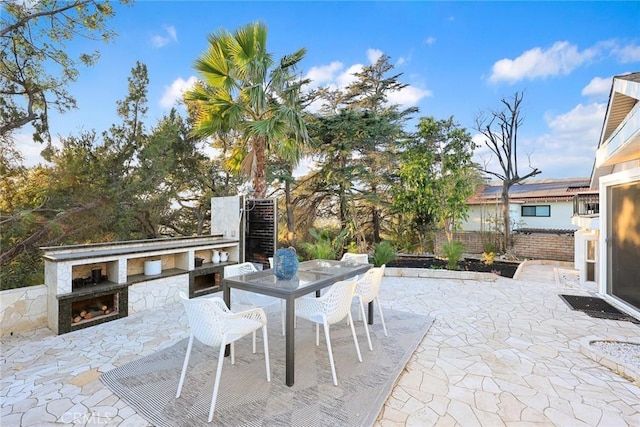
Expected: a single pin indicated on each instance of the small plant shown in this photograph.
(490, 247)
(383, 253)
(324, 246)
(488, 258)
(497, 272)
(452, 251)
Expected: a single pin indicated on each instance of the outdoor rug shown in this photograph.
(245, 398)
(597, 307)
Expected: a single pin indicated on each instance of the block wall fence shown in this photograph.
(547, 246)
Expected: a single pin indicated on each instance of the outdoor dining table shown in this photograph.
(312, 276)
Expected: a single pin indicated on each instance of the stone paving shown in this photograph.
(500, 353)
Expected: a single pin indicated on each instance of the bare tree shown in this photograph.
(500, 128)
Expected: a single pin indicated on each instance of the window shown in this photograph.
(542, 210)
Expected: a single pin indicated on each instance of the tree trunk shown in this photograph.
(375, 219)
(291, 235)
(259, 174)
(506, 218)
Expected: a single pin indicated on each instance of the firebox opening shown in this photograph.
(206, 282)
(92, 308)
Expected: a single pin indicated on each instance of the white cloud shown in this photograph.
(598, 86)
(31, 150)
(404, 59)
(583, 123)
(561, 58)
(373, 55)
(348, 77)
(323, 73)
(170, 35)
(627, 54)
(174, 92)
(566, 150)
(408, 96)
(429, 41)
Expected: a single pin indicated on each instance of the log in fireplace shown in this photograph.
(92, 305)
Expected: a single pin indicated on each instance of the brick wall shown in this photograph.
(531, 246)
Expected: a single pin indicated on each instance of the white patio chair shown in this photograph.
(211, 323)
(355, 258)
(366, 291)
(246, 299)
(328, 309)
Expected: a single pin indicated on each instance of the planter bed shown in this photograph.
(505, 269)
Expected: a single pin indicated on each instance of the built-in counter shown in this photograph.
(90, 284)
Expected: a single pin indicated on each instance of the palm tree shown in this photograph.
(239, 93)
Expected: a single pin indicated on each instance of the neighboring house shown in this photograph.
(607, 247)
(537, 205)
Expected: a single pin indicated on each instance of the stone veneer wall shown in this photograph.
(527, 246)
(23, 309)
(157, 293)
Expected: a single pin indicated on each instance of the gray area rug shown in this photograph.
(246, 398)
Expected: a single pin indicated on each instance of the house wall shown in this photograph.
(560, 219)
(483, 217)
(526, 246)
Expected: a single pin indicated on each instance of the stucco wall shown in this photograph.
(483, 217)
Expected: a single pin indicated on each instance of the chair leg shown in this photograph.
(355, 339)
(254, 342)
(184, 366)
(384, 327)
(216, 384)
(266, 352)
(366, 327)
(317, 334)
(233, 353)
(333, 366)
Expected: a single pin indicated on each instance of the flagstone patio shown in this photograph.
(504, 352)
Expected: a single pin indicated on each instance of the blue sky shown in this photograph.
(459, 58)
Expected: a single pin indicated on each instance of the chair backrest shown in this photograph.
(337, 300)
(207, 318)
(357, 258)
(368, 285)
(239, 269)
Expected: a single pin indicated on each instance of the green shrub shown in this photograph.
(324, 247)
(383, 253)
(452, 251)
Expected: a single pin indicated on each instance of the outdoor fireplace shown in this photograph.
(95, 283)
(91, 305)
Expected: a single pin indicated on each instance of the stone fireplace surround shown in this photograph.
(125, 289)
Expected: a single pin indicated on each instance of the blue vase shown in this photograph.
(285, 263)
